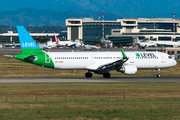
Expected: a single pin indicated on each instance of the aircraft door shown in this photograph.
(92, 59)
(162, 59)
(132, 59)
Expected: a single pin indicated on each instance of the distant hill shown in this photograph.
(129, 8)
(29, 16)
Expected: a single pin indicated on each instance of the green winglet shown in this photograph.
(123, 54)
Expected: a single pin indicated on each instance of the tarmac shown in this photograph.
(89, 80)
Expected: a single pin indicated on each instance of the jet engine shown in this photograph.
(128, 69)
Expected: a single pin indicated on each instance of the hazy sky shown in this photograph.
(128, 7)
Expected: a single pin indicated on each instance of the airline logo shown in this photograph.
(56, 39)
(137, 55)
(145, 55)
(28, 45)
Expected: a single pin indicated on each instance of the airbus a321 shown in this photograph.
(144, 44)
(97, 62)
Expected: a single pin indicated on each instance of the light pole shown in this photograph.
(103, 26)
(30, 26)
(154, 22)
(173, 25)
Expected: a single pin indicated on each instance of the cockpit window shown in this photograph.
(169, 57)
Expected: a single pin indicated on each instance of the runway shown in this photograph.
(89, 80)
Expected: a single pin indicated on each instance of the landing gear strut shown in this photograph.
(88, 75)
(106, 75)
(158, 75)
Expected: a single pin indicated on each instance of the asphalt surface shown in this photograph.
(89, 80)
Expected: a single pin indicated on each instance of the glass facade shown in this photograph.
(164, 38)
(91, 41)
(177, 39)
(165, 26)
(95, 31)
(74, 32)
(121, 41)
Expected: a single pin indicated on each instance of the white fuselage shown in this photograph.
(81, 60)
(167, 43)
(147, 44)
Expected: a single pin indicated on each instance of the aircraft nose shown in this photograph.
(174, 63)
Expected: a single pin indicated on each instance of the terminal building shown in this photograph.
(122, 32)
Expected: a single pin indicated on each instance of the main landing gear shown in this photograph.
(106, 75)
(88, 75)
(158, 75)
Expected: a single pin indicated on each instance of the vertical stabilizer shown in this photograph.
(28, 45)
(137, 39)
(56, 39)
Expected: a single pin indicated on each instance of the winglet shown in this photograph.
(123, 54)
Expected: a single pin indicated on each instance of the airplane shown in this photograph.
(174, 44)
(88, 47)
(97, 62)
(144, 44)
(59, 43)
(44, 47)
(67, 43)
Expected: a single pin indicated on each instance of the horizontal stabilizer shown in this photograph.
(9, 55)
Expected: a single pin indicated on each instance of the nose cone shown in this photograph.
(173, 63)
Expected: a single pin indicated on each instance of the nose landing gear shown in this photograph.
(158, 75)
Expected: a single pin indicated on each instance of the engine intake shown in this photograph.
(128, 69)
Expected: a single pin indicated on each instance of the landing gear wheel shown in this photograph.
(88, 75)
(158, 75)
(106, 75)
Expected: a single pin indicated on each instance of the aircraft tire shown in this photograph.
(106, 75)
(159, 76)
(88, 75)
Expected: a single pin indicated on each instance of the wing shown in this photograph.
(109, 66)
